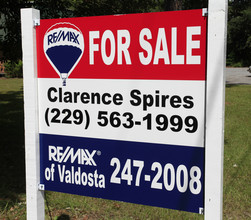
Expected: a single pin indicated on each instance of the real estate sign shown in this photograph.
(122, 107)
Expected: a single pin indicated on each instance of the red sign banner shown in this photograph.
(135, 46)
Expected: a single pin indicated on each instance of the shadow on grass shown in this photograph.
(63, 217)
(229, 85)
(12, 152)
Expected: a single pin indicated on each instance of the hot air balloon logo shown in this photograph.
(63, 47)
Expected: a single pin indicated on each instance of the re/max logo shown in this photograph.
(61, 155)
(62, 36)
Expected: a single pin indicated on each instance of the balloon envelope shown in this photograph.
(63, 47)
(63, 57)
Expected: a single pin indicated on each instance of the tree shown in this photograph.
(54, 9)
(109, 7)
(173, 5)
(239, 33)
(10, 42)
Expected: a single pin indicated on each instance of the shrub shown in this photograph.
(14, 69)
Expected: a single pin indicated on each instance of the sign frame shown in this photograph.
(34, 196)
(214, 138)
(215, 108)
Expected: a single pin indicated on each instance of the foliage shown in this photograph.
(109, 7)
(239, 33)
(54, 9)
(14, 69)
(10, 43)
(171, 5)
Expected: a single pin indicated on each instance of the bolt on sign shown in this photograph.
(122, 106)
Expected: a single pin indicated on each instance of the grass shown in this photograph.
(12, 163)
(237, 163)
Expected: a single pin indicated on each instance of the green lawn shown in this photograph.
(237, 164)
(237, 154)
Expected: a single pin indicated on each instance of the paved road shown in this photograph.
(238, 76)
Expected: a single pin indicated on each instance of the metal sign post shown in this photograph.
(34, 197)
(215, 105)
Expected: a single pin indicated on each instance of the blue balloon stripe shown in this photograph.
(63, 57)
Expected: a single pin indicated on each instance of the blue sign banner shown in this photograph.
(162, 175)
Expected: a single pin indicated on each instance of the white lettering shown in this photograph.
(192, 44)
(78, 177)
(52, 153)
(108, 60)
(82, 156)
(93, 47)
(176, 59)
(123, 35)
(146, 46)
(161, 54)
